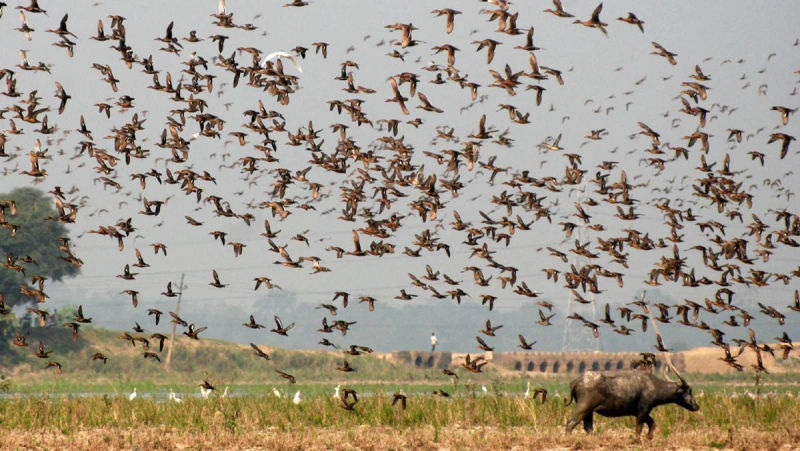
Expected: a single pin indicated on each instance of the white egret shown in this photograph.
(276, 55)
(173, 396)
(132, 395)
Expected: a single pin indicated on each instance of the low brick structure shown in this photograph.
(534, 362)
(423, 359)
(571, 362)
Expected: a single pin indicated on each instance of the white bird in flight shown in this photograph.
(276, 55)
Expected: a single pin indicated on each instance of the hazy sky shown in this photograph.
(610, 83)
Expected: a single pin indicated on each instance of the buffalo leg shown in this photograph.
(572, 422)
(651, 426)
(588, 422)
(639, 423)
(580, 414)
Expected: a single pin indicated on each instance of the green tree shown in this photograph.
(36, 238)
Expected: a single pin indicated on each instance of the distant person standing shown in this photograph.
(434, 341)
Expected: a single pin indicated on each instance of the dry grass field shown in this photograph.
(370, 437)
(87, 407)
(484, 422)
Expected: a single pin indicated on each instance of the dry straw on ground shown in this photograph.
(485, 422)
(364, 437)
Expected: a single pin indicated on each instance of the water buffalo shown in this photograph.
(624, 393)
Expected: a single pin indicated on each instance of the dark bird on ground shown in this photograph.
(540, 392)
(401, 398)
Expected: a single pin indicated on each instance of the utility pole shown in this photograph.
(181, 287)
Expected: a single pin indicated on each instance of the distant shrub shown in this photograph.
(5, 384)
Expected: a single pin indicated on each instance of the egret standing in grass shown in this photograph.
(297, 400)
(528, 390)
(132, 395)
(173, 396)
(276, 393)
(336, 392)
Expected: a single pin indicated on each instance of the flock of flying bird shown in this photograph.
(386, 184)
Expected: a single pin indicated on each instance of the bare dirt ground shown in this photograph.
(428, 437)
